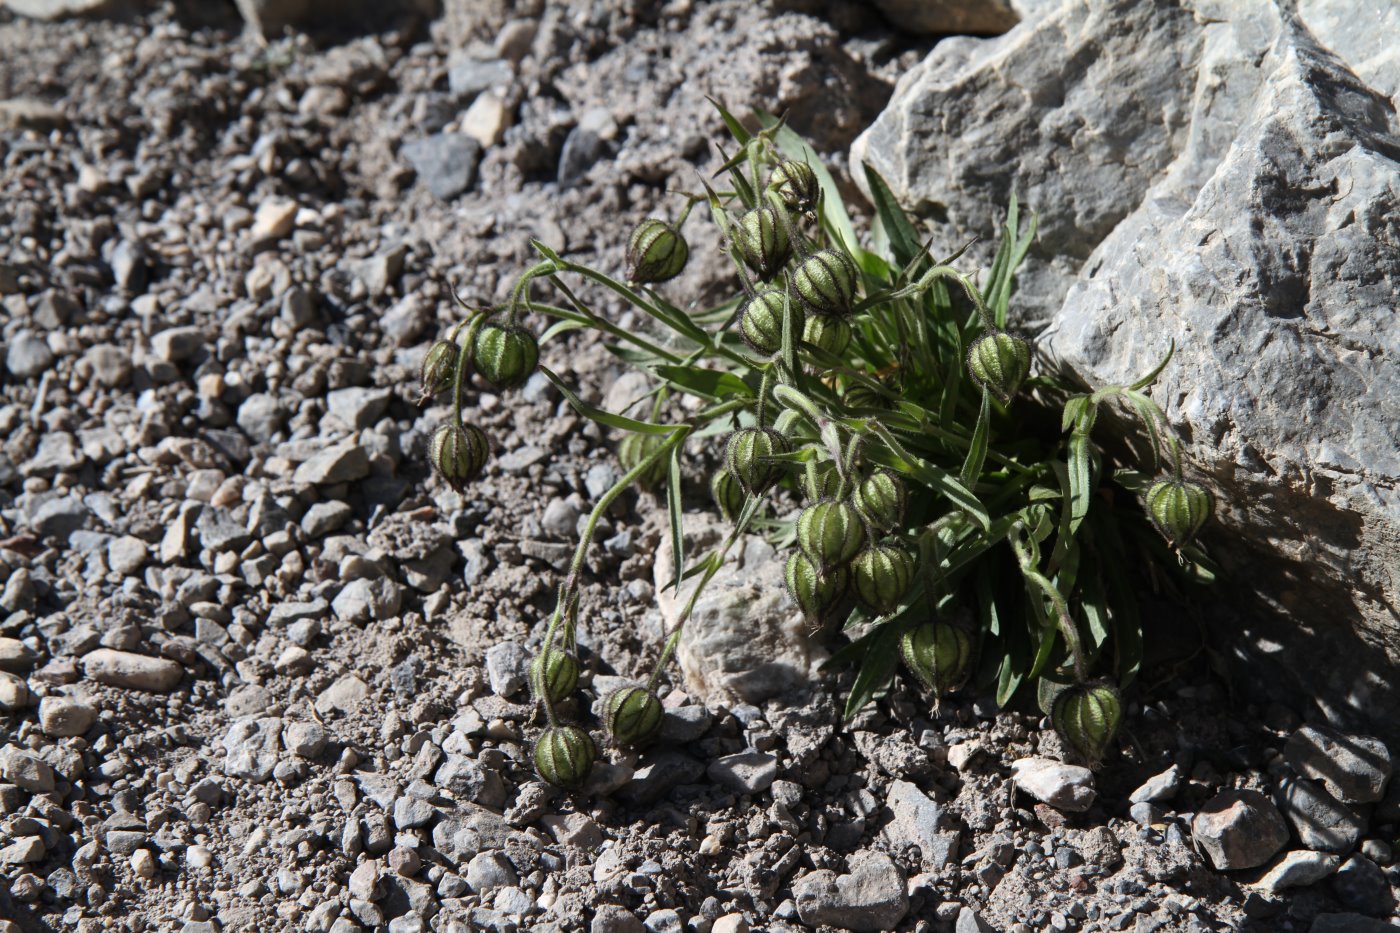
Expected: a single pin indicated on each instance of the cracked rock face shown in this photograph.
(1223, 176)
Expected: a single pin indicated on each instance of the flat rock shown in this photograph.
(134, 671)
(344, 462)
(1299, 870)
(1355, 768)
(1158, 788)
(445, 163)
(745, 772)
(26, 770)
(344, 695)
(745, 641)
(1062, 786)
(16, 657)
(921, 822)
(1321, 821)
(252, 747)
(870, 897)
(1239, 829)
(62, 717)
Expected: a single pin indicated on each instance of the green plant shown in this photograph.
(948, 511)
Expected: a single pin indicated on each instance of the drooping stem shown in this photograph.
(522, 287)
(1064, 621)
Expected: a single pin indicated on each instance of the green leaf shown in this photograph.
(606, 418)
(1081, 481)
(903, 238)
(674, 511)
(735, 127)
(876, 669)
(562, 327)
(1152, 418)
(977, 452)
(713, 384)
(1074, 410)
(791, 398)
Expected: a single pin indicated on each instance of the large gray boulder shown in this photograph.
(1225, 175)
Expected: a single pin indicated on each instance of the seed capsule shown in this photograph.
(632, 716)
(553, 675)
(564, 756)
(830, 533)
(796, 185)
(939, 655)
(882, 575)
(439, 369)
(880, 499)
(505, 356)
(762, 321)
(729, 496)
(999, 363)
(819, 595)
(828, 482)
(656, 252)
(635, 448)
(459, 454)
(763, 241)
(826, 282)
(1086, 716)
(745, 455)
(1178, 509)
(859, 394)
(827, 333)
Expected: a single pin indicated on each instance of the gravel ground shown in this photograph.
(259, 670)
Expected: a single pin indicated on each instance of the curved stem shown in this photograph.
(460, 371)
(1064, 621)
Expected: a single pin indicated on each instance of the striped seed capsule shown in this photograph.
(459, 453)
(632, 716)
(999, 363)
(762, 320)
(553, 675)
(826, 282)
(817, 594)
(656, 252)
(882, 575)
(795, 184)
(634, 448)
(1086, 716)
(830, 533)
(564, 756)
(505, 355)
(880, 499)
(827, 332)
(729, 496)
(745, 457)
(762, 239)
(939, 655)
(1179, 509)
(439, 369)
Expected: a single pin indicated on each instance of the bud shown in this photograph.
(459, 454)
(632, 716)
(827, 333)
(505, 356)
(999, 362)
(564, 755)
(817, 594)
(553, 675)
(763, 241)
(635, 448)
(882, 575)
(880, 500)
(828, 482)
(1178, 509)
(745, 455)
(830, 533)
(826, 282)
(729, 496)
(656, 252)
(1086, 716)
(795, 185)
(762, 321)
(939, 655)
(439, 369)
